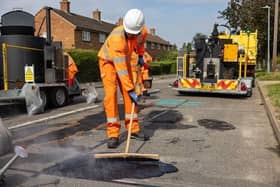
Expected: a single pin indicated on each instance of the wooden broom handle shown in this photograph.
(129, 128)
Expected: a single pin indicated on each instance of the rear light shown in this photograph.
(222, 53)
(243, 86)
(175, 84)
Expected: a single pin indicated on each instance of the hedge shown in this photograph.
(163, 67)
(87, 63)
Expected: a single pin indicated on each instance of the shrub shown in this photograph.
(155, 68)
(173, 68)
(169, 56)
(163, 67)
(87, 63)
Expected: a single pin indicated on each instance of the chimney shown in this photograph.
(120, 21)
(96, 15)
(152, 31)
(65, 6)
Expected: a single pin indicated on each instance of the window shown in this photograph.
(102, 37)
(158, 46)
(86, 36)
(152, 45)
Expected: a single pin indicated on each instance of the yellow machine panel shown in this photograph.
(231, 53)
(246, 42)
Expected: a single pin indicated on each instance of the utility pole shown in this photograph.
(268, 37)
(274, 54)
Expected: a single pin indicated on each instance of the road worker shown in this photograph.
(115, 69)
(136, 74)
(140, 74)
(72, 70)
(145, 72)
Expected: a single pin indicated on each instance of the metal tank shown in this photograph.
(23, 48)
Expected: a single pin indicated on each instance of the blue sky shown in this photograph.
(174, 20)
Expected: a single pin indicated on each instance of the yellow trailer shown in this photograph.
(222, 63)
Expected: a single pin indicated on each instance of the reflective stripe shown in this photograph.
(127, 116)
(119, 59)
(105, 51)
(112, 120)
(117, 32)
(105, 48)
(122, 72)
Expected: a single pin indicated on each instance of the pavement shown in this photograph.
(203, 141)
(270, 109)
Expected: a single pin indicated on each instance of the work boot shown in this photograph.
(145, 93)
(113, 143)
(140, 136)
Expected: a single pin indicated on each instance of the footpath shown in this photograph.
(272, 112)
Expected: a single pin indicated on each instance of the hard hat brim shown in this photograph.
(132, 31)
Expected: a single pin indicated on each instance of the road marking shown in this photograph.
(52, 117)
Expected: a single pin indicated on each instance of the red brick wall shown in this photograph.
(155, 53)
(61, 30)
(92, 44)
(64, 31)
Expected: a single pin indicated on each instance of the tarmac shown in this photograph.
(194, 152)
(271, 110)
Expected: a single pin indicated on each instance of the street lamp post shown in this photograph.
(268, 37)
(275, 35)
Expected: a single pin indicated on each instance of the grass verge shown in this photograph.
(274, 94)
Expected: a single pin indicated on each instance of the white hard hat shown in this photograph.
(133, 21)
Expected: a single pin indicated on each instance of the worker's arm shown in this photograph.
(147, 58)
(141, 39)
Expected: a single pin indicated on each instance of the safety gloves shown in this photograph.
(141, 61)
(135, 98)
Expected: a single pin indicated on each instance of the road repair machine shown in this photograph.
(223, 63)
(32, 68)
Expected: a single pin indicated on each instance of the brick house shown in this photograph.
(80, 32)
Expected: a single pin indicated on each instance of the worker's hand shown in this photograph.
(140, 61)
(135, 98)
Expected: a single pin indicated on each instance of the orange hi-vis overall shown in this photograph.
(115, 68)
(136, 74)
(72, 70)
(145, 69)
(143, 74)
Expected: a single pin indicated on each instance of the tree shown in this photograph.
(249, 14)
(199, 36)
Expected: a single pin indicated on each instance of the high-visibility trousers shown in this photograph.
(110, 81)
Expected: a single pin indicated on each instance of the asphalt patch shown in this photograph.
(86, 167)
(166, 116)
(215, 124)
(166, 119)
